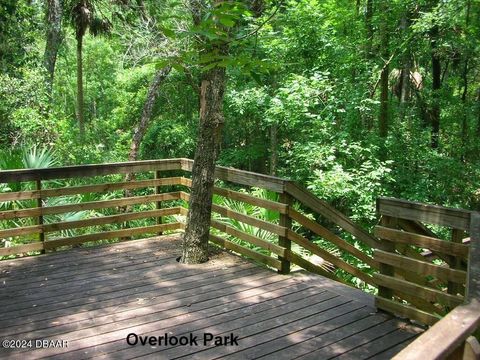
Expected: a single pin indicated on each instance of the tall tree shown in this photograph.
(147, 111)
(212, 90)
(434, 113)
(384, 35)
(369, 28)
(53, 39)
(82, 16)
(405, 88)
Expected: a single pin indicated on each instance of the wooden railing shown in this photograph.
(451, 337)
(418, 275)
(421, 277)
(32, 214)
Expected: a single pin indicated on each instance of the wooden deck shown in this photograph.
(94, 297)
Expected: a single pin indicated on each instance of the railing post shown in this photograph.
(40, 217)
(158, 190)
(473, 272)
(283, 241)
(455, 262)
(389, 246)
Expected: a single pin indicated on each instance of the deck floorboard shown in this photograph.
(94, 297)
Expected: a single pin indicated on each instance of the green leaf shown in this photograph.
(226, 20)
(168, 32)
(178, 67)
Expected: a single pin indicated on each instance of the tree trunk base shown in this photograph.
(196, 252)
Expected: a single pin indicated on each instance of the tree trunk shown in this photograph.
(436, 85)
(195, 240)
(273, 149)
(369, 26)
(406, 65)
(80, 113)
(383, 117)
(465, 82)
(144, 122)
(478, 112)
(53, 39)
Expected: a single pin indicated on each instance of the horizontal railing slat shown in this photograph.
(74, 240)
(334, 239)
(434, 244)
(249, 220)
(307, 265)
(76, 171)
(76, 190)
(90, 205)
(422, 292)
(405, 311)
(315, 249)
(19, 249)
(249, 199)
(110, 219)
(420, 267)
(264, 259)
(248, 238)
(25, 230)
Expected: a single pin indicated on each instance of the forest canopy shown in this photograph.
(351, 99)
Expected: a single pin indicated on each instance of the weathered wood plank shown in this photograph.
(331, 214)
(315, 249)
(334, 239)
(405, 311)
(378, 345)
(424, 293)
(76, 171)
(435, 244)
(318, 336)
(352, 342)
(248, 238)
(471, 350)
(276, 309)
(307, 265)
(386, 269)
(110, 219)
(446, 335)
(473, 273)
(26, 230)
(52, 244)
(419, 303)
(456, 262)
(230, 302)
(84, 189)
(250, 220)
(20, 249)
(420, 267)
(91, 205)
(286, 223)
(243, 177)
(267, 260)
(431, 214)
(243, 197)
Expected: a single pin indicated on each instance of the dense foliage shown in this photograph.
(303, 97)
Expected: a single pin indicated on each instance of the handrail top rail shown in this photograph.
(417, 211)
(446, 335)
(86, 170)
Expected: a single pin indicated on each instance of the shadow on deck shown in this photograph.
(94, 297)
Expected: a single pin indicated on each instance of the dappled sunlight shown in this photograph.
(95, 298)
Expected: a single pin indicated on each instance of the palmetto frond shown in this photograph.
(81, 15)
